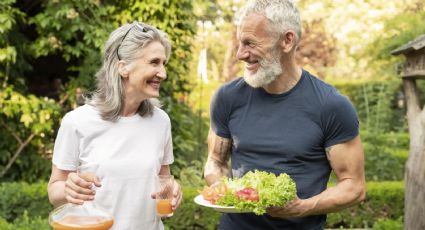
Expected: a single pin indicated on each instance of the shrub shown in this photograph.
(27, 207)
(16, 198)
(25, 222)
(387, 224)
(192, 216)
(383, 200)
(385, 155)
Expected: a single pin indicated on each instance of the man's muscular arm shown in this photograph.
(219, 149)
(347, 161)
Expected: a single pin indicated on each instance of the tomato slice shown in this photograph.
(248, 194)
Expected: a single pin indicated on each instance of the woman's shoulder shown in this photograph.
(159, 113)
(81, 113)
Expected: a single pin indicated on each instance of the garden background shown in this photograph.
(50, 50)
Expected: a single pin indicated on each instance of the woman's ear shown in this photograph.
(123, 69)
(288, 41)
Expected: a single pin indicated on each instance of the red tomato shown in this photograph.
(248, 194)
(254, 197)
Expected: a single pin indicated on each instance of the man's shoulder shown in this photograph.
(234, 86)
(322, 89)
(319, 83)
(332, 98)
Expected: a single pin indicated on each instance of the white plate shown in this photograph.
(199, 199)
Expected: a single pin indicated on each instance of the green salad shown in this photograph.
(258, 190)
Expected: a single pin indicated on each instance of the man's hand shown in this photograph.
(295, 208)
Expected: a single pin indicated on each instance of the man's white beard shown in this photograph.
(268, 72)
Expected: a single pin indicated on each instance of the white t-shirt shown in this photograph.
(129, 154)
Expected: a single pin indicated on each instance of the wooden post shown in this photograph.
(414, 177)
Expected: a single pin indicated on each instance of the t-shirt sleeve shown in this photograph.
(340, 120)
(168, 148)
(66, 149)
(219, 117)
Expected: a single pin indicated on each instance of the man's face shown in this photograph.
(258, 50)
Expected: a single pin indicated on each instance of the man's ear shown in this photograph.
(288, 41)
(123, 69)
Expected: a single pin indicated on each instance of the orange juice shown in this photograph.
(163, 207)
(83, 222)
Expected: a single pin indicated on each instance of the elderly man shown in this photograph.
(280, 118)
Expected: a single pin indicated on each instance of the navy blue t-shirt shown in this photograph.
(282, 133)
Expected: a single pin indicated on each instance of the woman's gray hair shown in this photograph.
(283, 15)
(124, 44)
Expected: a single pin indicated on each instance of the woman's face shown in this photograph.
(146, 73)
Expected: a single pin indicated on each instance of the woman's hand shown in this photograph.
(177, 196)
(79, 188)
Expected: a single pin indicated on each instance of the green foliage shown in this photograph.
(25, 222)
(9, 58)
(191, 175)
(400, 29)
(376, 104)
(385, 155)
(383, 200)
(189, 132)
(28, 112)
(75, 31)
(71, 28)
(192, 216)
(388, 224)
(18, 198)
(26, 118)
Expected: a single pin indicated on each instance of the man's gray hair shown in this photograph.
(283, 15)
(124, 44)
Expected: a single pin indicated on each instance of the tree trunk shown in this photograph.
(415, 167)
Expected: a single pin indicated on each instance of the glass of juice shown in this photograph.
(86, 216)
(164, 195)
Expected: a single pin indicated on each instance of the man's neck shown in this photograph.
(286, 81)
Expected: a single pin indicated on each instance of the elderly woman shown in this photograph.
(122, 130)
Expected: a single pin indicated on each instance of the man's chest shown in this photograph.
(289, 130)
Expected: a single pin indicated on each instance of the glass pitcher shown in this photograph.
(86, 216)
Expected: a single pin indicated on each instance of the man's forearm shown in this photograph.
(214, 170)
(345, 194)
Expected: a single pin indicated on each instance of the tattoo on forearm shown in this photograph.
(225, 148)
(219, 150)
(328, 153)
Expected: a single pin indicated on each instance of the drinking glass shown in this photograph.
(164, 195)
